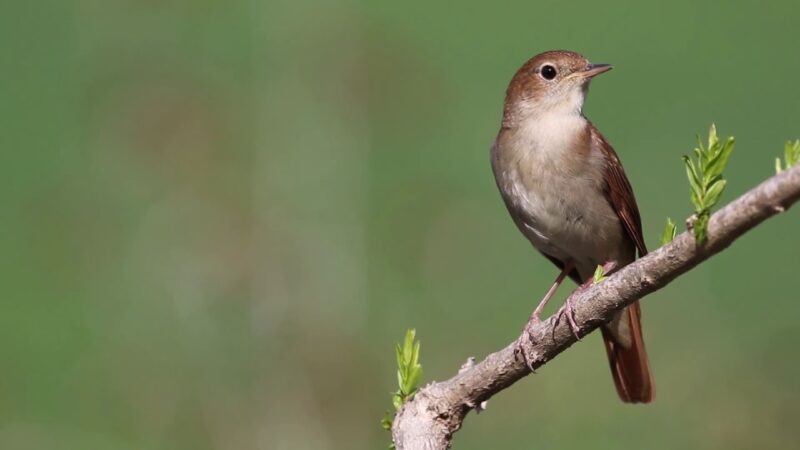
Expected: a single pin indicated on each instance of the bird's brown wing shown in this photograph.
(629, 364)
(619, 192)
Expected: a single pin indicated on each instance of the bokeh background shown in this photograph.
(218, 217)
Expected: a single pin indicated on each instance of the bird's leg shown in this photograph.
(567, 309)
(536, 315)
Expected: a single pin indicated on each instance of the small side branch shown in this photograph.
(436, 412)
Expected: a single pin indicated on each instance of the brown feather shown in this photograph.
(619, 192)
(629, 365)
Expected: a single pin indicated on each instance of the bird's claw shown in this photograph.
(521, 341)
(569, 312)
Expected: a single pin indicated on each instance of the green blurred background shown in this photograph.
(218, 217)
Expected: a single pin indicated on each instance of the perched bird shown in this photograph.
(566, 191)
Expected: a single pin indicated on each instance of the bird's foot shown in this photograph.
(527, 338)
(567, 310)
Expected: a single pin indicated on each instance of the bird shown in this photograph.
(565, 189)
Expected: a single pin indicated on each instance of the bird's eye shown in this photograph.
(548, 72)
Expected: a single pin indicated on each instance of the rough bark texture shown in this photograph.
(429, 420)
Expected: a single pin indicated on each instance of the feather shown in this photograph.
(627, 355)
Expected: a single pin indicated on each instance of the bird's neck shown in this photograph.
(519, 110)
(552, 133)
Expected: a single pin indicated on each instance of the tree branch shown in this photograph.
(429, 420)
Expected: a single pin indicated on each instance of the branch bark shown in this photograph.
(429, 420)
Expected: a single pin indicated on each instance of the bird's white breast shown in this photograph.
(556, 191)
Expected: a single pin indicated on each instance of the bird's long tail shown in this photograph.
(628, 357)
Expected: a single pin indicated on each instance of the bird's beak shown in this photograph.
(595, 69)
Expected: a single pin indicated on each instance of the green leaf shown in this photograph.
(386, 422)
(694, 181)
(401, 378)
(712, 136)
(697, 201)
(408, 346)
(412, 381)
(397, 401)
(791, 156)
(791, 153)
(691, 171)
(669, 232)
(699, 161)
(409, 371)
(704, 172)
(599, 275)
(399, 352)
(714, 191)
(720, 158)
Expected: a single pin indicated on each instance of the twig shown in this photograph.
(429, 420)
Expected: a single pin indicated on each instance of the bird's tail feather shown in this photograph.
(628, 357)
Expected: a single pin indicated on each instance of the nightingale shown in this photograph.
(566, 191)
